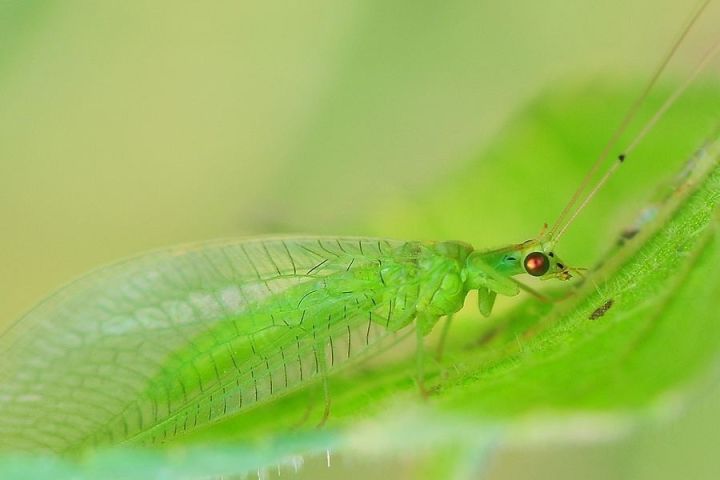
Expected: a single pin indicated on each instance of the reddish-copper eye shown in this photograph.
(537, 264)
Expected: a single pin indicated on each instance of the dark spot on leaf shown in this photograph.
(601, 310)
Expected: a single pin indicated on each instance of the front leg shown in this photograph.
(487, 296)
(485, 276)
(489, 282)
(486, 300)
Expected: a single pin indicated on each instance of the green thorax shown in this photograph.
(426, 279)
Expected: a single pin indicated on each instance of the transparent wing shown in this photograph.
(350, 331)
(74, 364)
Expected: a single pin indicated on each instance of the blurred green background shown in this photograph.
(126, 126)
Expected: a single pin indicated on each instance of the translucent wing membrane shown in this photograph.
(162, 343)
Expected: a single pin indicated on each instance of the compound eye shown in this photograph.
(537, 264)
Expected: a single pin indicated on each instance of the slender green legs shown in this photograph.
(443, 338)
(323, 370)
(420, 360)
(423, 324)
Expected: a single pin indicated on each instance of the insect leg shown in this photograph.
(486, 300)
(489, 278)
(326, 394)
(443, 338)
(423, 323)
(532, 291)
(323, 370)
(308, 411)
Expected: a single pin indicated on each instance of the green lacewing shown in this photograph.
(155, 346)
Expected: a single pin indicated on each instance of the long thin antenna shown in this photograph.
(643, 132)
(676, 94)
(629, 116)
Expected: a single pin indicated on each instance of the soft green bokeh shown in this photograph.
(131, 125)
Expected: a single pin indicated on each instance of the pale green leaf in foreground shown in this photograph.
(581, 368)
